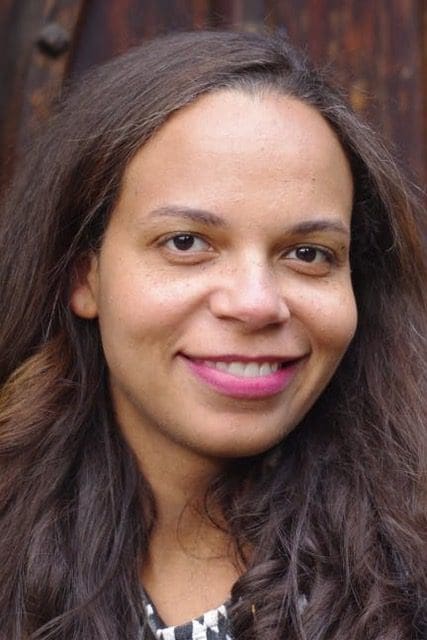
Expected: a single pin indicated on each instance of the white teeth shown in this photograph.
(267, 368)
(245, 369)
(237, 369)
(252, 370)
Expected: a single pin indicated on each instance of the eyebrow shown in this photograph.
(311, 226)
(214, 220)
(196, 215)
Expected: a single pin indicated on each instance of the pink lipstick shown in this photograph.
(262, 383)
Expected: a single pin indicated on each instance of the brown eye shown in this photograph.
(183, 242)
(310, 254)
(186, 242)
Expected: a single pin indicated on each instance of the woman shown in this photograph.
(209, 403)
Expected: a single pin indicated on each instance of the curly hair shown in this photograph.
(335, 514)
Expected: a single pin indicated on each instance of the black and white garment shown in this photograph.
(212, 625)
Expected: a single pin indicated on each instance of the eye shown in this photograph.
(310, 254)
(185, 243)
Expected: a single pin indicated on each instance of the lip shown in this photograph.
(239, 387)
(236, 357)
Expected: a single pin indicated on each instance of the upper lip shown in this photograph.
(237, 357)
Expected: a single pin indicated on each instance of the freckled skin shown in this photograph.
(264, 164)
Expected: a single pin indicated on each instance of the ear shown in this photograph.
(84, 287)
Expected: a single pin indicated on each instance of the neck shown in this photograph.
(190, 565)
(179, 484)
(179, 479)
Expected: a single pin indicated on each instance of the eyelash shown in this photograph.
(327, 255)
(183, 234)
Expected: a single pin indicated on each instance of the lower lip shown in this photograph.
(239, 387)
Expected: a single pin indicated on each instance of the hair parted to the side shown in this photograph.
(336, 515)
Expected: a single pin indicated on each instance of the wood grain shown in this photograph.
(377, 50)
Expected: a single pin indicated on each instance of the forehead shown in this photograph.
(242, 145)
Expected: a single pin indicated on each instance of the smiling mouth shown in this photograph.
(242, 377)
(245, 369)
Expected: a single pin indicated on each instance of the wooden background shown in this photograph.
(377, 48)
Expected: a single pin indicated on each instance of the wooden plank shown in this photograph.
(39, 39)
(112, 27)
(246, 14)
(16, 26)
(49, 62)
(378, 52)
(423, 130)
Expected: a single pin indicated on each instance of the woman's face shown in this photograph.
(222, 286)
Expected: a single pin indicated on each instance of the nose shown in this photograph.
(251, 294)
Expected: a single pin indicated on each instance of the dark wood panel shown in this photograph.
(378, 49)
(378, 52)
(110, 28)
(247, 14)
(16, 25)
(39, 37)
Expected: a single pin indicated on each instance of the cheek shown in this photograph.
(332, 320)
(146, 304)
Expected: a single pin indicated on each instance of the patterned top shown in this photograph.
(212, 625)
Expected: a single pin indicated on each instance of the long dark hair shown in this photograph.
(335, 515)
